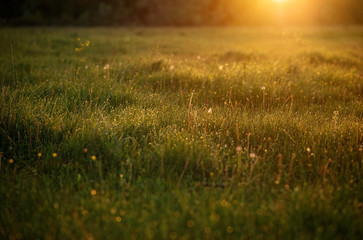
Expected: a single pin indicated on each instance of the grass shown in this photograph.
(177, 133)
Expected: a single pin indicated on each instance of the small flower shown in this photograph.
(107, 66)
(93, 157)
(190, 223)
(207, 230)
(308, 150)
(54, 155)
(39, 154)
(263, 88)
(93, 192)
(210, 110)
(85, 150)
(118, 219)
(121, 175)
(252, 155)
(238, 149)
(11, 161)
(211, 174)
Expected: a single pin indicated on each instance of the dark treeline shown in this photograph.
(178, 12)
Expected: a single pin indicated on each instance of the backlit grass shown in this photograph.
(212, 133)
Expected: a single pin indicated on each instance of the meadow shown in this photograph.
(181, 133)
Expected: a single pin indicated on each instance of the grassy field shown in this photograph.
(181, 133)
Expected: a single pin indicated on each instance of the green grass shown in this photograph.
(211, 133)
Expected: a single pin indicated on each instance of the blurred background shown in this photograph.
(178, 12)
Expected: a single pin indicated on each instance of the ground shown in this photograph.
(181, 133)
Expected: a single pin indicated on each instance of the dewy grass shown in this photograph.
(209, 134)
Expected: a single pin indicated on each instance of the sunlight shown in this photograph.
(279, 1)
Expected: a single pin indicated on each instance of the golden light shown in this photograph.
(279, 1)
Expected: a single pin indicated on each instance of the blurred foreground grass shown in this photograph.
(212, 133)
